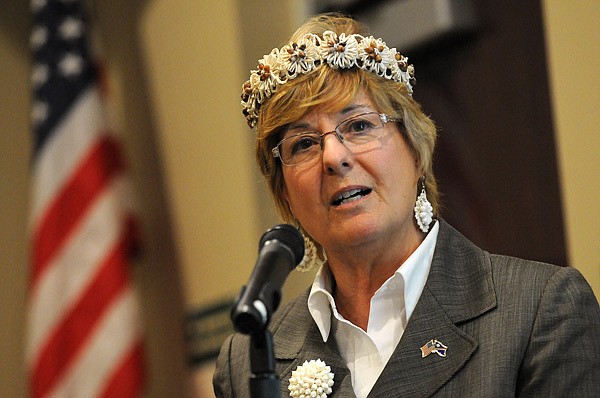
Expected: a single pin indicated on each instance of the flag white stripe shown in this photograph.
(67, 261)
(110, 342)
(69, 273)
(62, 152)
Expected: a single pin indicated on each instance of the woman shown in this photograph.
(402, 305)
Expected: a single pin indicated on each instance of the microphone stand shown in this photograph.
(280, 249)
(264, 383)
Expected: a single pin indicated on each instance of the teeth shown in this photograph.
(352, 199)
(348, 196)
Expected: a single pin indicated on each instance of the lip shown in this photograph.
(347, 193)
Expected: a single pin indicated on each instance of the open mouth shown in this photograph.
(350, 196)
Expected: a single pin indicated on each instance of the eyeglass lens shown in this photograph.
(355, 131)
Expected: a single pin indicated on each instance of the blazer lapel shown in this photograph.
(459, 287)
(410, 374)
(298, 340)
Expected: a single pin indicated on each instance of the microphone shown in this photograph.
(281, 249)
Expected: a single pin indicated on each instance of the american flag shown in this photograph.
(433, 346)
(84, 336)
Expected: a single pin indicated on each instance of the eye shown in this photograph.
(357, 126)
(360, 125)
(302, 143)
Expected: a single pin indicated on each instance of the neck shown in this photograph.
(360, 272)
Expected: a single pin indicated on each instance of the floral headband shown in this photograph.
(338, 52)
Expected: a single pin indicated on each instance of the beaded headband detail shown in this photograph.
(338, 52)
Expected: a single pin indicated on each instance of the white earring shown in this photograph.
(423, 210)
(311, 258)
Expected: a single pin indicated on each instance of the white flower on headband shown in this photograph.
(299, 58)
(266, 79)
(402, 70)
(311, 379)
(375, 56)
(337, 52)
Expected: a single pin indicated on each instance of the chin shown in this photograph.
(358, 231)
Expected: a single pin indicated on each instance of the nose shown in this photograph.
(337, 135)
(337, 159)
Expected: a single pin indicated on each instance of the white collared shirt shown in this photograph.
(367, 353)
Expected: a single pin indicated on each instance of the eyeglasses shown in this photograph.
(353, 132)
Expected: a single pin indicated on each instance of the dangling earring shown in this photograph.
(423, 209)
(311, 257)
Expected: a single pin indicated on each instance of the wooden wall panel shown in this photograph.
(496, 159)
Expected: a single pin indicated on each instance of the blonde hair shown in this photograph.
(333, 89)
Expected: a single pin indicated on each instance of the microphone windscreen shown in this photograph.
(287, 235)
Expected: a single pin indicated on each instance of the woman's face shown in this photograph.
(379, 177)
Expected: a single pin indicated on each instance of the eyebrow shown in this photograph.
(353, 107)
(344, 111)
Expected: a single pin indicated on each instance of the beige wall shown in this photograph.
(193, 55)
(572, 33)
(176, 67)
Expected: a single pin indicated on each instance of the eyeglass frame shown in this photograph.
(382, 116)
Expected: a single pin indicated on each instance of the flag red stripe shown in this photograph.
(99, 166)
(68, 339)
(81, 236)
(127, 379)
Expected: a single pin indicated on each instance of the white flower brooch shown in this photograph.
(312, 379)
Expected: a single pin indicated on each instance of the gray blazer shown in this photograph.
(512, 328)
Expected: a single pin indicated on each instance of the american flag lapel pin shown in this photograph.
(435, 346)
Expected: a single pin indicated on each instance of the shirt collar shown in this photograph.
(416, 269)
(321, 302)
(413, 271)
